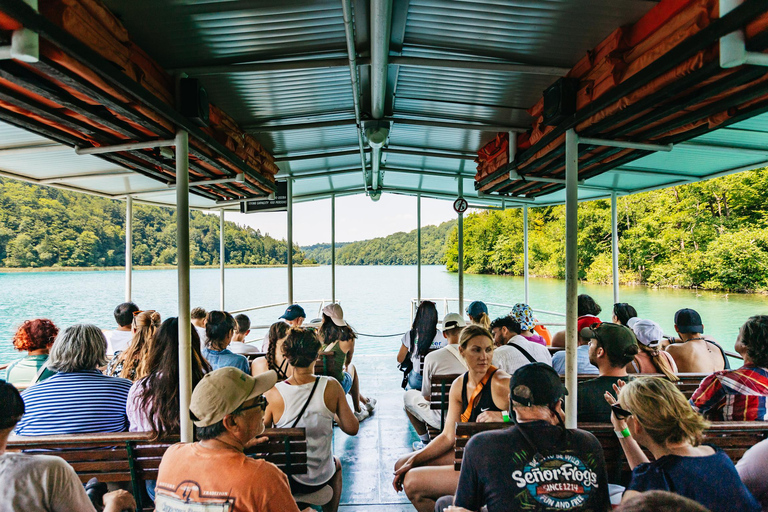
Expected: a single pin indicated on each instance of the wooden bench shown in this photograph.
(440, 387)
(134, 457)
(687, 383)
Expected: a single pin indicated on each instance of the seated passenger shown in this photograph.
(524, 316)
(131, 363)
(198, 316)
(655, 501)
(653, 413)
(294, 316)
(611, 348)
(513, 350)
(623, 313)
(228, 411)
(753, 471)
(311, 402)
(478, 395)
(42, 482)
(238, 344)
(120, 338)
(586, 306)
(94, 401)
(36, 337)
(692, 352)
(338, 337)
(274, 360)
(742, 394)
(497, 466)
(650, 359)
(443, 361)
(582, 351)
(423, 338)
(478, 314)
(219, 329)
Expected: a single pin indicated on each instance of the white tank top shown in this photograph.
(318, 422)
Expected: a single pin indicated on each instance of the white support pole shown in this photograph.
(571, 273)
(461, 251)
(128, 247)
(525, 251)
(290, 241)
(418, 247)
(182, 255)
(333, 248)
(615, 247)
(222, 259)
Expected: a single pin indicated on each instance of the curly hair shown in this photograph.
(35, 335)
(277, 331)
(754, 336)
(301, 347)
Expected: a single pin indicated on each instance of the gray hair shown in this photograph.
(78, 348)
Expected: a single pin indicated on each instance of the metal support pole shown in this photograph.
(418, 248)
(128, 247)
(222, 259)
(182, 255)
(333, 248)
(290, 241)
(525, 251)
(461, 251)
(571, 273)
(615, 247)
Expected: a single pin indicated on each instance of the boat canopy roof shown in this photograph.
(442, 77)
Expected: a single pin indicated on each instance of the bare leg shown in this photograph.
(335, 483)
(418, 425)
(425, 485)
(354, 391)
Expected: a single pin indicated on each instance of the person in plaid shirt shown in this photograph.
(739, 395)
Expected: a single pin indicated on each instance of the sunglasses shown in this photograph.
(261, 401)
(619, 412)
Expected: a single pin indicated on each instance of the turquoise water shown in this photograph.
(376, 299)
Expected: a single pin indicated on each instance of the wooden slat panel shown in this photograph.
(113, 466)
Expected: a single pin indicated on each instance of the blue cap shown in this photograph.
(293, 312)
(477, 308)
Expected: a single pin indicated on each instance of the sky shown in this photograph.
(357, 218)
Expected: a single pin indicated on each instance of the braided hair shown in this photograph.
(277, 331)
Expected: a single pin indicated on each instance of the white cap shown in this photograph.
(632, 321)
(648, 332)
(336, 314)
(452, 321)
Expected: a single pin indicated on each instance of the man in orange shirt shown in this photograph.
(214, 474)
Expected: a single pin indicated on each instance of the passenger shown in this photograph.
(94, 401)
(478, 314)
(423, 338)
(131, 363)
(753, 471)
(311, 402)
(42, 482)
(228, 411)
(36, 337)
(622, 312)
(443, 361)
(478, 395)
(294, 316)
(238, 344)
(586, 306)
(513, 350)
(338, 337)
(655, 501)
(694, 353)
(653, 413)
(198, 316)
(496, 465)
(650, 359)
(742, 394)
(274, 360)
(524, 315)
(584, 367)
(611, 348)
(219, 329)
(120, 338)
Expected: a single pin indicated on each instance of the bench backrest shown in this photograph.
(440, 388)
(252, 357)
(687, 383)
(325, 364)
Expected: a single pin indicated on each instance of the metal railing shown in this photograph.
(447, 300)
(320, 302)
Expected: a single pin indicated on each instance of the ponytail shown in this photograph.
(660, 362)
(483, 320)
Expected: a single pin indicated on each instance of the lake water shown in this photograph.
(376, 299)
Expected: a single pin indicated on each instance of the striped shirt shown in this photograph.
(734, 395)
(75, 403)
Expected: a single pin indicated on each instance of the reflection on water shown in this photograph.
(375, 298)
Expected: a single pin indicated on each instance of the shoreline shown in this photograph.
(17, 270)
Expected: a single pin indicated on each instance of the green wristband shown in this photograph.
(623, 434)
(505, 416)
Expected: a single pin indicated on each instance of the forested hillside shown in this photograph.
(712, 235)
(396, 249)
(46, 227)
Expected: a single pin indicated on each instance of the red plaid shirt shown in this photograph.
(734, 395)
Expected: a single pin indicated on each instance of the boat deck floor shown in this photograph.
(368, 458)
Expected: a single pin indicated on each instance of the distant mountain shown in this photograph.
(396, 249)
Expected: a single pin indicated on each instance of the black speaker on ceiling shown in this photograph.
(193, 101)
(560, 100)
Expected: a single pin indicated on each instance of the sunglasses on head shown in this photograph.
(619, 412)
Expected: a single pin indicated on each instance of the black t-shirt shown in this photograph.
(591, 398)
(500, 470)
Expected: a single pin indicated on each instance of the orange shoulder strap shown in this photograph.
(472, 402)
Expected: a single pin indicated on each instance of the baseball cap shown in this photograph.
(222, 391)
(543, 381)
(688, 320)
(632, 321)
(647, 332)
(336, 314)
(293, 312)
(477, 308)
(587, 321)
(614, 338)
(452, 321)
